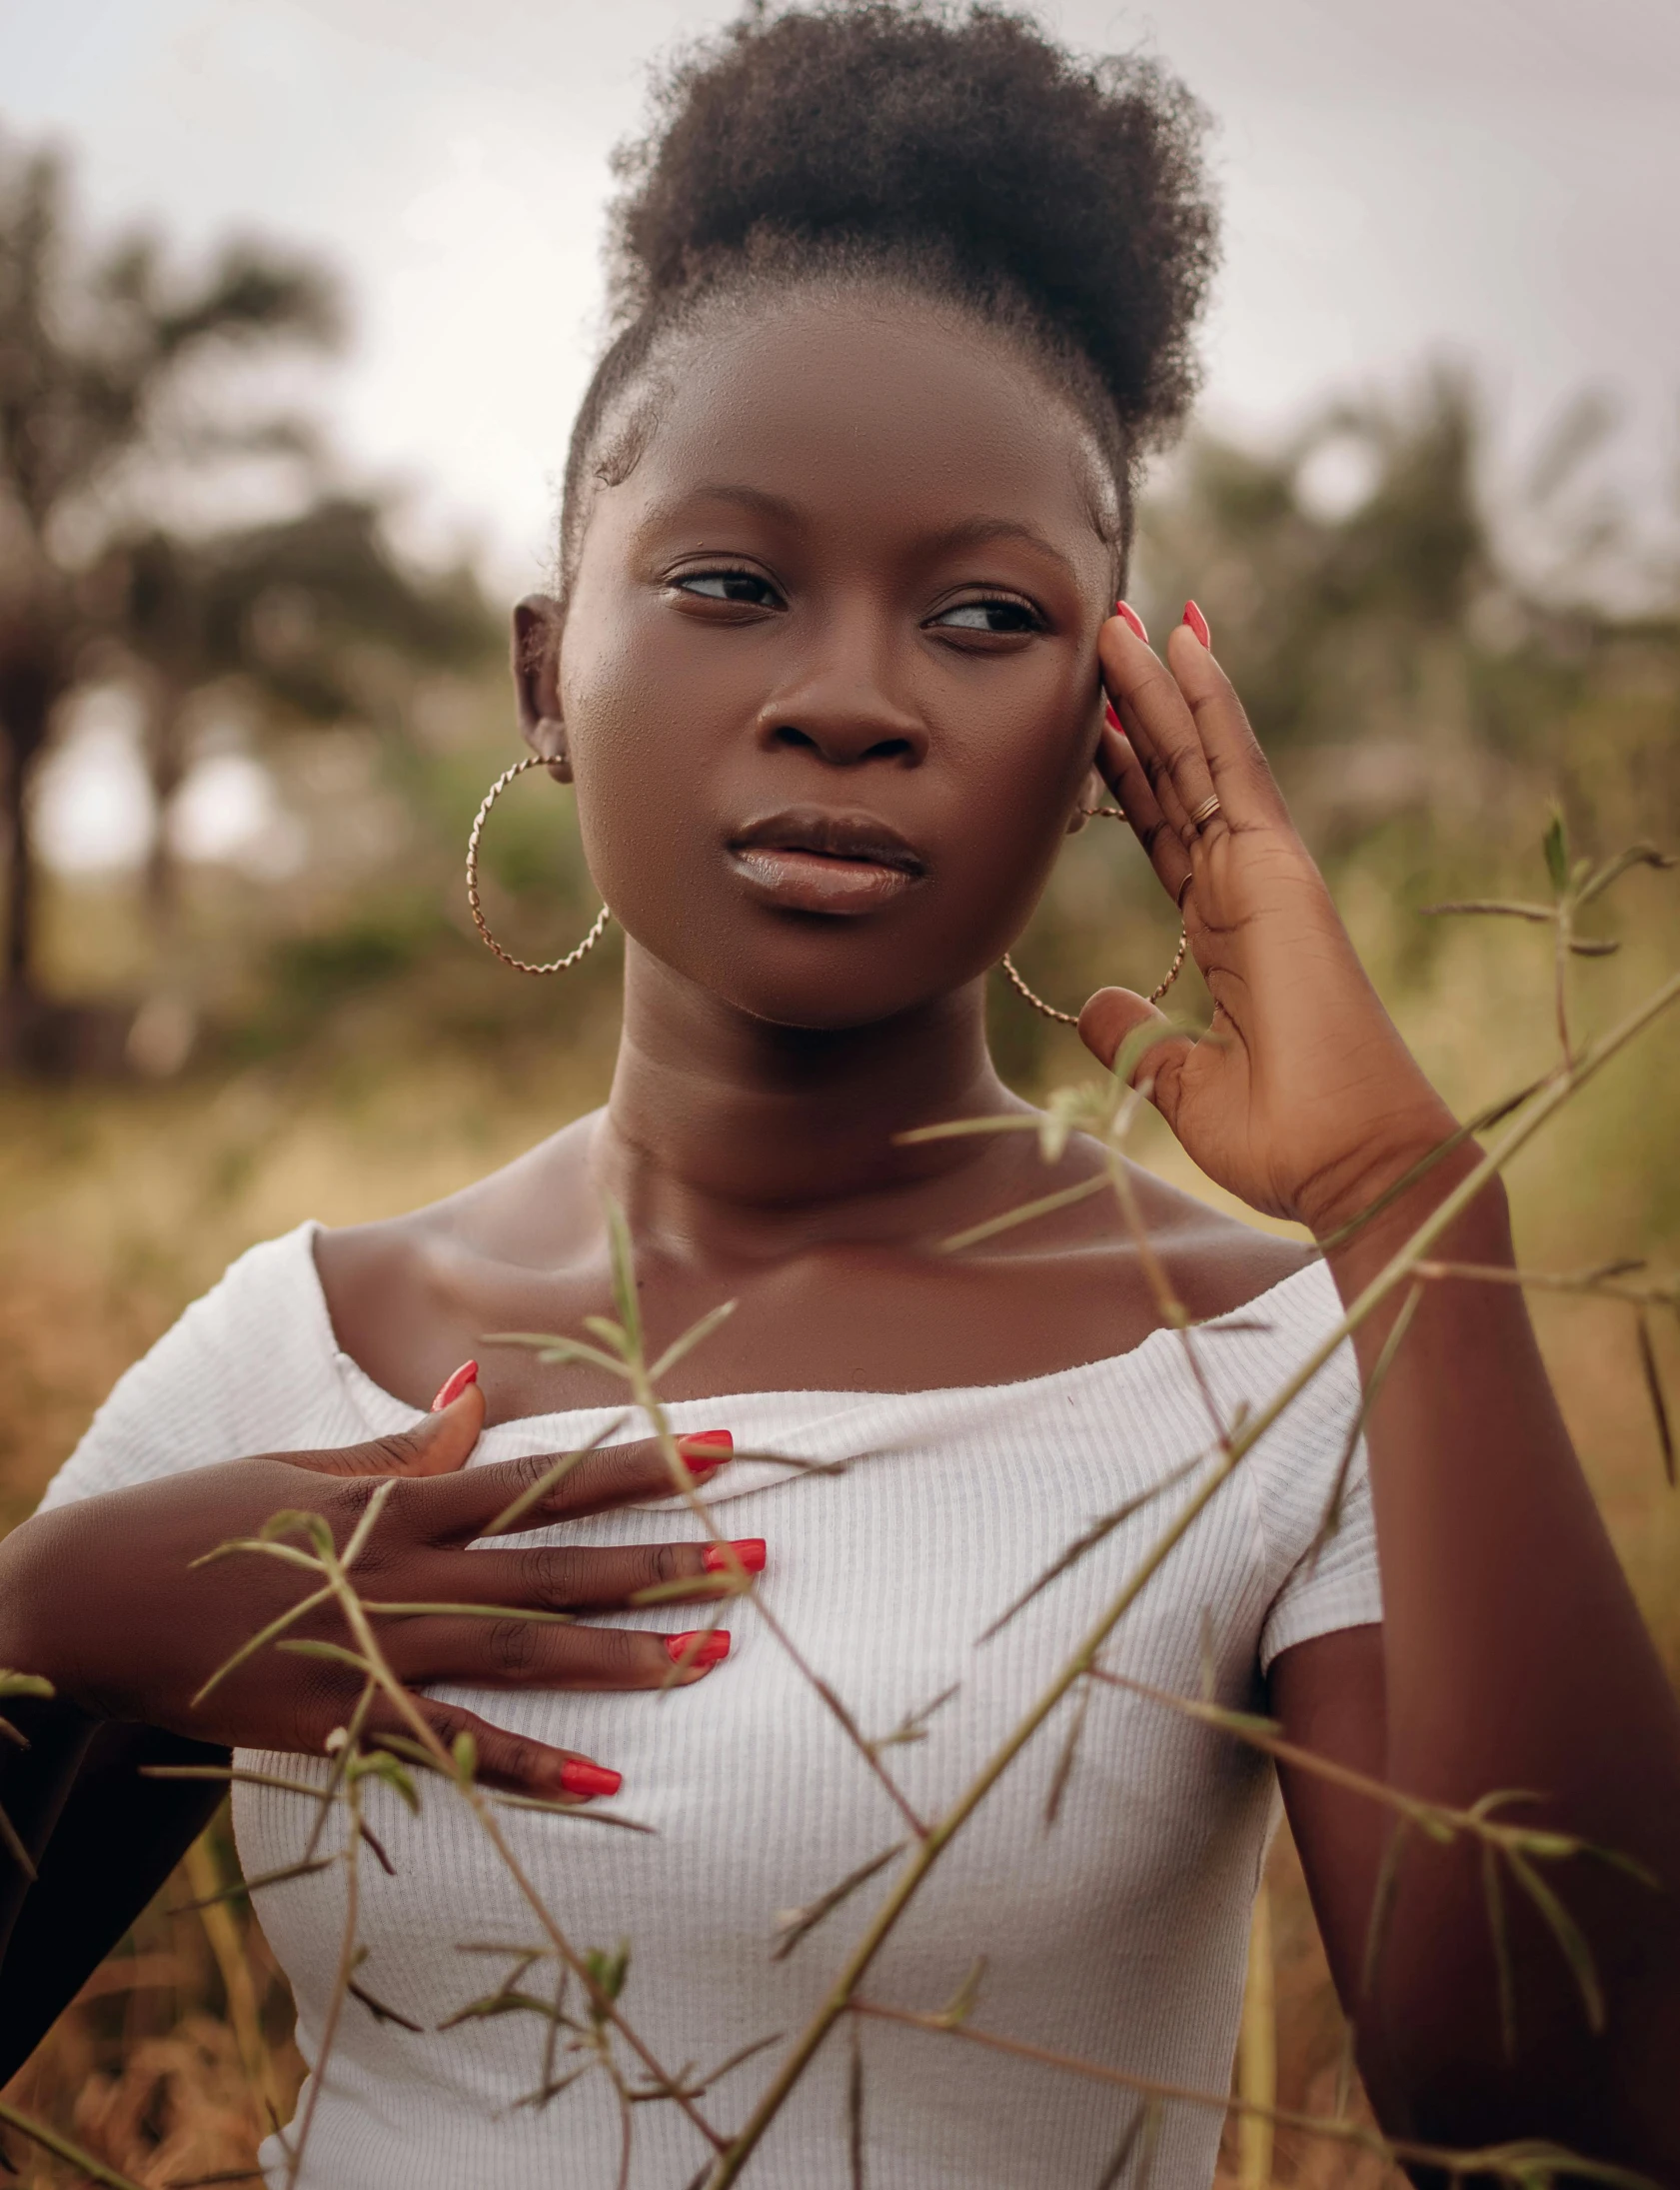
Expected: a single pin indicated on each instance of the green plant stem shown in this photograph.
(341, 1977)
(1394, 1273)
(362, 1629)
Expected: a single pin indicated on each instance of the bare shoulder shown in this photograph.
(1216, 1263)
(410, 1265)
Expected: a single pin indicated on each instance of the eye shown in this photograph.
(746, 588)
(1000, 614)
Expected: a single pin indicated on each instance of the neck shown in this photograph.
(720, 1124)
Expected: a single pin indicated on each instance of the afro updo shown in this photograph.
(960, 152)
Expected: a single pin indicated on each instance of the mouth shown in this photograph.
(808, 858)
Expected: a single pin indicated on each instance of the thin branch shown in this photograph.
(1518, 2164)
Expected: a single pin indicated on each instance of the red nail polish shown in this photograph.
(580, 1777)
(715, 1446)
(1199, 624)
(698, 1648)
(1111, 719)
(1129, 617)
(453, 1386)
(749, 1550)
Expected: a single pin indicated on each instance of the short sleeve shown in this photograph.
(1313, 1488)
(249, 1367)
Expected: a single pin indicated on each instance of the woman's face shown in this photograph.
(828, 673)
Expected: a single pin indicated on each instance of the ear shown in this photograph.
(1092, 792)
(536, 667)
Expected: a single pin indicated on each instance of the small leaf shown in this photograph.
(1568, 1935)
(1659, 1405)
(1064, 1763)
(1141, 1039)
(965, 1998)
(1063, 1199)
(24, 1684)
(1556, 844)
(794, 1924)
(381, 1764)
(607, 1972)
(1591, 947)
(680, 1349)
(379, 2011)
(1637, 855)
(1505, 908)
(502, 2003)
(624, 1277)
(465, 1751)
(914, 1725)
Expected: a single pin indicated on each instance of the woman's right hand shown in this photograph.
(103, 1598)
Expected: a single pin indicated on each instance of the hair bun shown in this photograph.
(1077, 186)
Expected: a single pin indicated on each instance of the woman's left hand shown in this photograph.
(1301, 1097)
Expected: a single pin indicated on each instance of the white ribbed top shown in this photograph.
(1119, 1934)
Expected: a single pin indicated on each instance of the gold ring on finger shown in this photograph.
(1205, 811)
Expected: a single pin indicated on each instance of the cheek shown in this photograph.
(645, 756)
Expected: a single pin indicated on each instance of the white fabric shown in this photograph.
(1118, 1935)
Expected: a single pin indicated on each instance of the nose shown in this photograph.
(842, 708)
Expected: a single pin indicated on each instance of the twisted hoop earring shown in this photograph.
(1071, 1019)
(556, 965)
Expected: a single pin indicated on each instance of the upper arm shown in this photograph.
(1329, 1695)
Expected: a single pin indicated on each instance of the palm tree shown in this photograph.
(94, 353)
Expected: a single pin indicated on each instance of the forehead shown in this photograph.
(880, 417)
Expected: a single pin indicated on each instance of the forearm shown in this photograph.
(1514, 1658)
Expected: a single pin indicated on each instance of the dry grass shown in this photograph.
(120, 1205)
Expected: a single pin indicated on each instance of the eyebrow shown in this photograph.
(973, 532)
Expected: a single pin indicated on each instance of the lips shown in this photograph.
(815, 860)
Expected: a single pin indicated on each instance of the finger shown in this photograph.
(438, 1444)
(551, 1487)
(1105, 1024)
(505, 1760)
(1238, 769)
(1161, 726)
(571, 1578)
(521, 1653)
(1162, 846)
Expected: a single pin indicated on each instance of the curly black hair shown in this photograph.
(957, 152)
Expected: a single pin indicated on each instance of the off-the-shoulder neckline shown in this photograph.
(1315, 1271)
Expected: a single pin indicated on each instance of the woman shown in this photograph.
(847, 514)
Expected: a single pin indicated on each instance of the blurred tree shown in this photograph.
(309, 615)
(92, 354)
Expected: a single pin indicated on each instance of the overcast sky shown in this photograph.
(1496, 179)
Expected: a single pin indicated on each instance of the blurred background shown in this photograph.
(294, 306)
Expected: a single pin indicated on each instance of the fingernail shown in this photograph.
(453, 1386)
(580, 1777)
(698, 1648)
(749, 1552)
(1129, 617)
(717, 1445)
(1197, 623)
(1111, 718)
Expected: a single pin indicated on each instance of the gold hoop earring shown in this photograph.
(556, 965)
(1071, 1019)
